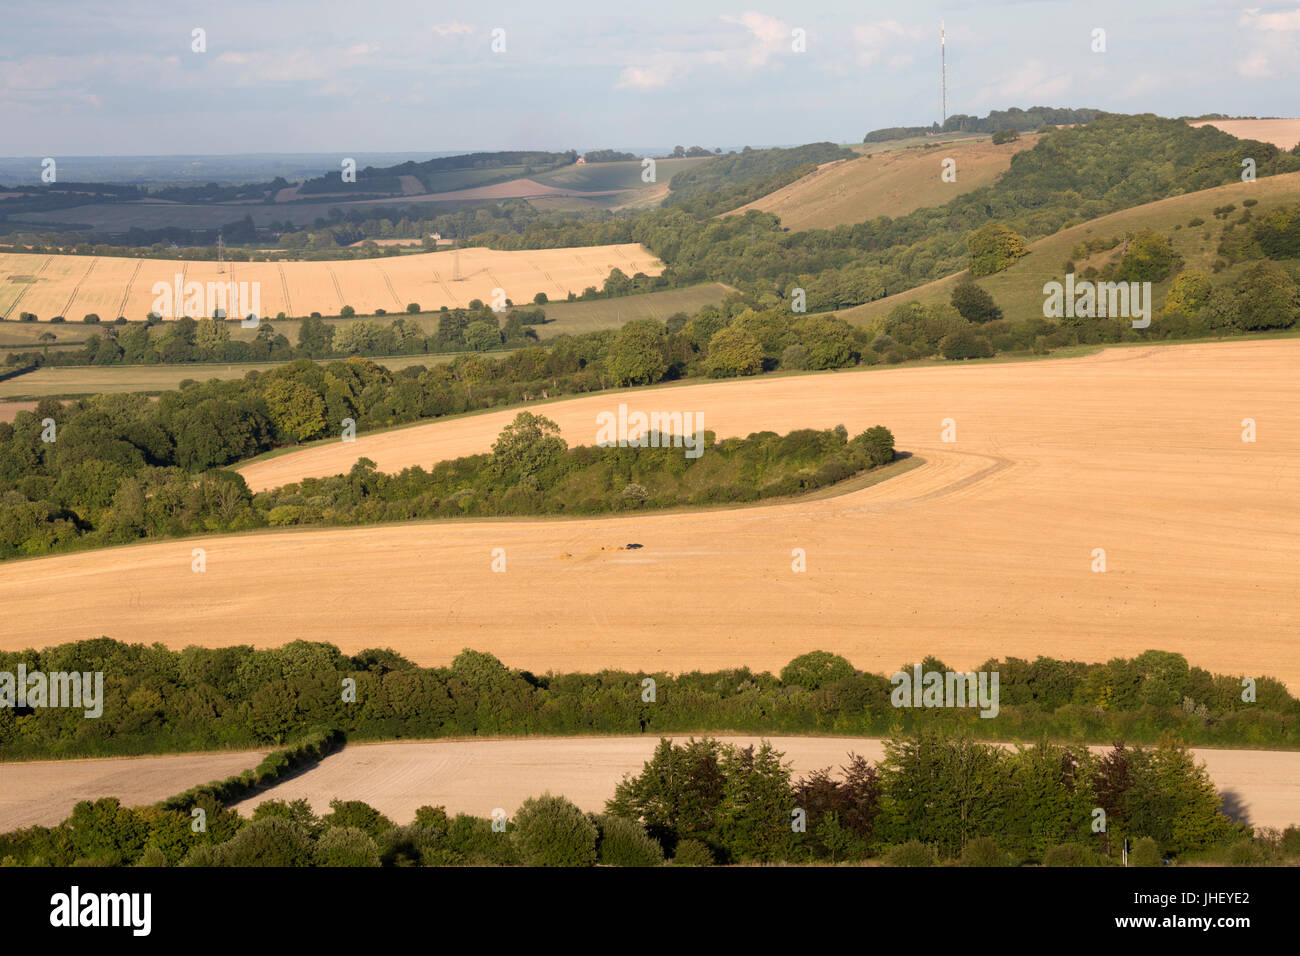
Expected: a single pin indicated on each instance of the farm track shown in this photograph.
(284, 287)
(397, 302)
(126, 293)
(67, 307)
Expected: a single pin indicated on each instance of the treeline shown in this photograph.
(185, 340)
(734, 170)
(931, 801)
(96, 485)
(1015, 118)
(157, 700)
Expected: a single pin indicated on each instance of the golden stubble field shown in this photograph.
(1282, 133)
(985, 551)
(887, 183)
(73, 286)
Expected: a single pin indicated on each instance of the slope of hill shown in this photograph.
(1019, 289)
(891, 183)
(1282, 133)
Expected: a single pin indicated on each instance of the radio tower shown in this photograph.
(943, 73)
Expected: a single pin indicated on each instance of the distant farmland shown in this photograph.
(887, 183)
(71, 286)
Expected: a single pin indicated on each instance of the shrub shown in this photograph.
(201, 855)
(153, 857)
(622, 842)
(90, 318)
(1068, 854)
(1244, 853)
(693, 853)
(1145, 852)
(1290, 843)
(413, 307)
(347, 312)
(816, 668)
(794, 357)
(984, 851)
(540, 299)
(965, 344)
(1005, 136)
(551, 831)
(346, 846)
(270, 841)
(911, 853)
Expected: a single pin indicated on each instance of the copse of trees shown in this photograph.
(164, 701)
(530, 471)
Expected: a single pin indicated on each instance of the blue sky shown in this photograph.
(100, 78)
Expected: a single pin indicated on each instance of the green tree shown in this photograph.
(974, 303)
(527, 448)
(551, 831)
(993, 248)
(815, 669)
(637, 355)
(733, 352)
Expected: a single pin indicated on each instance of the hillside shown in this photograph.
(1019, 289)
(887, 183)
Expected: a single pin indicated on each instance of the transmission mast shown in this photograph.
(943, 73)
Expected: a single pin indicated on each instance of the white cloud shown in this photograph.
(1271, 22)
(452, 29)
(872, 39)
(363, 49)
(653, 76)
(1256, 65)
(1032, 81)
(770, 37)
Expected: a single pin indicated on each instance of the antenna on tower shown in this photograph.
(943, 73)
(221, 262)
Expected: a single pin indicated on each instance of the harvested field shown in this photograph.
(71, 286)
(983, 551)
(476, 776)
(1282, 133)
(44, 792)
(891, 183)
(10, 409)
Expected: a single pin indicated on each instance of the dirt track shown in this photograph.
(984, 551)
(478, 776)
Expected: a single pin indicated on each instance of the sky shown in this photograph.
(312, 76)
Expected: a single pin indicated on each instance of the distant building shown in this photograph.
(582, 160)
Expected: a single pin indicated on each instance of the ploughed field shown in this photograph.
(43, 792)
(986, 550)
(477, 776)
(73, 286)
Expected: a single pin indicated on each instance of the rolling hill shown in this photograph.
(887, 183)
(1019, 289)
